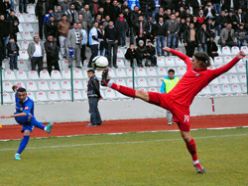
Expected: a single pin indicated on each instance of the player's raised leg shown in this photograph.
(122, 89)
(47, 128)
(191, 146)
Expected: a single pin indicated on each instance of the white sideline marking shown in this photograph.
(123, 143)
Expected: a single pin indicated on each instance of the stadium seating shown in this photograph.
(57, 86)
(41, 96)
(31, 86)
(54, 85)
(7, 98)
(53, 96)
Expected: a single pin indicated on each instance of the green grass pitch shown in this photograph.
(134, 159)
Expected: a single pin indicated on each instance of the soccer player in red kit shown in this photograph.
(179, 99)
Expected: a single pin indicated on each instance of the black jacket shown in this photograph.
(93, 88)
(52, 50)
(111, 34)
(12, 51)
(131, 54)
(5, 28)
(13, 24)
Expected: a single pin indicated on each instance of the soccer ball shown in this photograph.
(100, 62)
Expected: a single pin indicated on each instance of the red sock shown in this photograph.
(124, 90)
(191, 145)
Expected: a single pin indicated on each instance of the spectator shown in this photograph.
(195, 5)
(141, 28)
(227, 36)
(212, 48)
(202, 37)
(23, 6)
(13, 24)
(82, 21)
(58, 13)
(84, 42)
(168, 83)
(47, 16)
(116, 11)
(13, 52)
(95, 7)
(134, 16)
(40, 11)
(209, 11)
(133, 3)
(52, 53)
(190, 39)
(73, 41)
(150, 29)
(93, 42)
(147, 7)
(230, 4)
(109, 9)
(242, 36)
(72, 14)
(122, 27)
(141, 53)
(151, 54)
(36, 53)
(5, 32)
(7, 7)
(64, 5)
(51, 28)
(173, 28)
(131, 54)
(94, 95)
(87, 15)
(156, 9)
(111, 38)
(217, 6)
(159, 14)
(63, 30)
(101, 39)
(160, 32)
(240, 16)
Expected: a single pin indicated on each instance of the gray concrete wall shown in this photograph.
(128, 109)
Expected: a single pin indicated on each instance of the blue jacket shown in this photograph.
(132, 3)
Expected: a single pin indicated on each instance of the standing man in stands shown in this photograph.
(168, 83)
(52, 53)
(93, 42)
(74, 43)
(94, 95)
(36, 53)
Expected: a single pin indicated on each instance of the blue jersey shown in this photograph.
(27, 106)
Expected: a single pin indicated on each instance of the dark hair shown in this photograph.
(91, 70)
(171, 70)
(203, 58)
(21, 90)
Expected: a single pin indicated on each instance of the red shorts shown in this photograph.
(181, 114)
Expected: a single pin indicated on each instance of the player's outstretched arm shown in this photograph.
(181, 55)
(229, 65)
(13, 116)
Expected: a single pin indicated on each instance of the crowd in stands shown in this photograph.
(68, 27)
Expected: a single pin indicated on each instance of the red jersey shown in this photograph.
(194, 80)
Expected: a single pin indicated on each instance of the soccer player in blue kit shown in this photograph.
(24, 116)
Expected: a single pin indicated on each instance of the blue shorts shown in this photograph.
(24, 121)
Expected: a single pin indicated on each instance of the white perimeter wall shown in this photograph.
(128, 109)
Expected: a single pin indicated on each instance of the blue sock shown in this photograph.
(23, 144)
(37, 124)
